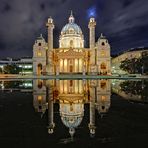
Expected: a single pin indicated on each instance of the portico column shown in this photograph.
(67, 65)
(57, 68)
(73, 63)
(78, 66)
(63, 65)
(84, 68)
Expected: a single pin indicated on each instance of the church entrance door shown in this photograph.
(39, 69)
(71, 68)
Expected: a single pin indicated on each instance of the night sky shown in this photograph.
(123, 22)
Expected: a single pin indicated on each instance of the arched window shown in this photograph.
(39, 69)
(39, 44)
(39, 54)
(103, 98)
(71, 43)
(103, 44)
(103, 53)
(71, 68)
(103, 66)
(40, 84)
(71, 83)
(103, 85)
(71, 30)
(40, 99)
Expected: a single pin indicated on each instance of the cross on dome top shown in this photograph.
(71, 18)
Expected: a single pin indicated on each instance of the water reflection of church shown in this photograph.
(71, 56)
(71, 96)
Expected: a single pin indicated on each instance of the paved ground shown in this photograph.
(70, 76)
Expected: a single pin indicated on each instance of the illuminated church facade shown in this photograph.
(71, 56)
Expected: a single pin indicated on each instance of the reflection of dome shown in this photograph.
(71, 115)
(72, 121)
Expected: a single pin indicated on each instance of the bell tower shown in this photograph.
(39, 56)
(103, 99)
(39, 97)
(103, 56)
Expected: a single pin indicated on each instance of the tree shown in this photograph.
(1, 70)
(127, 65)
(135, 65)
(11, 69)
(145, 61)
(12, 84)
(136, 88)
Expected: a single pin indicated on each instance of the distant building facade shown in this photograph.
(25, 64)
(133, 53)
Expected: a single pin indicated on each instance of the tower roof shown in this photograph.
(102, 36)
(40, 37)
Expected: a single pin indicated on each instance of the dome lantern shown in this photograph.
(71, 18)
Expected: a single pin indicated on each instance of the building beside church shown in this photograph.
(134, 53)
(71, 56)
(25, 64)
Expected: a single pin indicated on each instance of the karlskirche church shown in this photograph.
(71, 57)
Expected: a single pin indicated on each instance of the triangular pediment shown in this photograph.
(71, 53)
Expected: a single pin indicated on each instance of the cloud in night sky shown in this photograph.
(124, 22)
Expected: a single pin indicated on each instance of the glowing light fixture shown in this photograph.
(91, 12)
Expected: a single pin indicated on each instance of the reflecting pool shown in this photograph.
(69, 113)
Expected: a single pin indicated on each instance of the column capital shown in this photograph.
(50, 23)
(51, 128)
(92, 23)
(92, 127)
